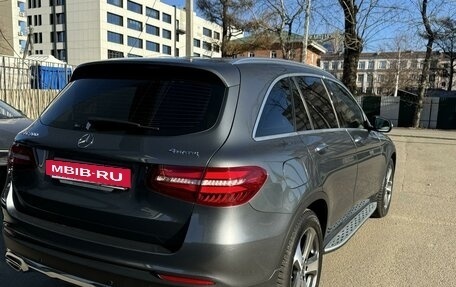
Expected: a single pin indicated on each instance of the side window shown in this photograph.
(318, 103)
(277, 115)
(348, 111)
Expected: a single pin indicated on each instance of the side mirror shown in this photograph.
(382, 125)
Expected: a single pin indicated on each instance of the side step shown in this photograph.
(350, 229)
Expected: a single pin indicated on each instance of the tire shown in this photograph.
(302, 260)
(385, 194)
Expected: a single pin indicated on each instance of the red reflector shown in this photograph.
(213, 186)
(185, 280)
(21, 156)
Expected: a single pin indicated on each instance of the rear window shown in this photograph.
(135, 99)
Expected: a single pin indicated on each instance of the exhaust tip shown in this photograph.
(16, 262)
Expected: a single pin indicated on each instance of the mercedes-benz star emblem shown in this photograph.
(85, 141)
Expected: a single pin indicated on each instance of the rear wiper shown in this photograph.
(108, 124)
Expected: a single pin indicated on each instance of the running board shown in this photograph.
(350, 229)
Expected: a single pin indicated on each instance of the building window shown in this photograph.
(273, 54)
(34, 3)
(216, 48)
(197, 43)
(134, 7)
(371, 65)
(57, 2)
(251, 54)
(115, 38)
(166, 49)
(176, 52)
(61, 54)
(404, 64)
(129, 55)
(21, 6)
(118, 3)
(115, 19)
(326, 66)
(196, 55)
(334, 65)
(58, 37)
(37, 19)
(133, 24)
(37, 38)
(370, 80)
(152, 46)
(216, 35)
(153, 30)
(134, 42)
(360, 78)
(166, 18)
(382, 65)
(166, 34)
(152, 13)
(361, 65)
(207, 46)
(207, 32)
(115, 54)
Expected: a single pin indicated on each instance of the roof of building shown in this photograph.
(273, 38)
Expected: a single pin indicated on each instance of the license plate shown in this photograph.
(90, 173)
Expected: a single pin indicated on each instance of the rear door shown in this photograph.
(332, 150)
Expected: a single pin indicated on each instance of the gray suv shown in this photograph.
(186, 172)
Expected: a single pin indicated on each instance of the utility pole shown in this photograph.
(189, 28)
(306, 33)
(398, 66)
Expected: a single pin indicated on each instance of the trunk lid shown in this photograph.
(94, 151)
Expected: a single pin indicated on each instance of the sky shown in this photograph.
(382, 38)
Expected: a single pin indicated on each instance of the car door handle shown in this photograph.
(321, 148)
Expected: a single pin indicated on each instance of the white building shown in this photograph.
(13, 27)
(78, 31)
(379, 73)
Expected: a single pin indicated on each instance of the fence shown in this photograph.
(438, 113)
(31, 84)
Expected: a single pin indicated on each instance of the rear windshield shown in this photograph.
(141, 100)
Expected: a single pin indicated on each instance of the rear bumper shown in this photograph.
(227, 254)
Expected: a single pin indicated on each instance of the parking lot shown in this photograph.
(412, 246)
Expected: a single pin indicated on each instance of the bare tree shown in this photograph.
(430, 35)
(362, 19)
(228, 14)
(446, 40)
(282, 19)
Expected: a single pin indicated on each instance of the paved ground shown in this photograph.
(414, 244)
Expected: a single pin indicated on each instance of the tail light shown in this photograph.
(212, 186)
(21, 157)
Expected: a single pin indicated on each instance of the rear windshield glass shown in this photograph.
(156, 101)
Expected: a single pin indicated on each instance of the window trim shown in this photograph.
(296, 133)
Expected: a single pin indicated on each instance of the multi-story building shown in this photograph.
(379, 73)
(13, 27)
(78, 31)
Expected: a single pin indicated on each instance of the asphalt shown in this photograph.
(414, 244)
